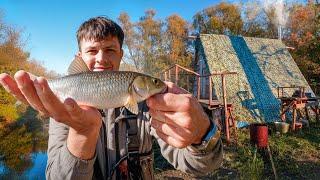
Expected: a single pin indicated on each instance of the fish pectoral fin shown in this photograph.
(77, 66)
(132, 105)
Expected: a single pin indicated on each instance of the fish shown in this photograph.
(105, 89)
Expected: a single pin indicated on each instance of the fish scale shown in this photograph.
(99, 89)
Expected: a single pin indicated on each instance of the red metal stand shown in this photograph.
(208, 103)
(297, 104)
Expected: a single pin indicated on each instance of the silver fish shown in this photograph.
(106, 89)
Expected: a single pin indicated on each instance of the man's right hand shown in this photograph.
(84, 121)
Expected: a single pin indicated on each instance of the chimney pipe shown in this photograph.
(279, 32)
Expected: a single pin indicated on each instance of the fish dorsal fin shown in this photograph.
(132, 105)
(77, 66)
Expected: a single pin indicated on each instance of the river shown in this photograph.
(36, 171)
(23, 146)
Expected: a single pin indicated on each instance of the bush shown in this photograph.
(8, 113)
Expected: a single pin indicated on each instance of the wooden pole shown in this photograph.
(317, 113)
(177, 77)
(225, 107)
(283, 115)
(188, 83)
(198, 87)
(294, 117)
(272, 164)
(210, 91)
(284, 110)
(307, 113)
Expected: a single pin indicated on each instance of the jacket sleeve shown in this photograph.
(189, 160)
(61, 163)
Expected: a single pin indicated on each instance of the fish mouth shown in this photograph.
(164, 90)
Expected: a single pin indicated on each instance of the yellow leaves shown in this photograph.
(12, 58)
(222, 18)
(8, 113)
(155, 44)
(177, 31)
(177, 25)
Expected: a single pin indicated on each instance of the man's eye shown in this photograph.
(110, 50)
(92, 51)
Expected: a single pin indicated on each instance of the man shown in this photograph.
(85, 143)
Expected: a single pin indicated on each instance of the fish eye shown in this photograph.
(155, 81)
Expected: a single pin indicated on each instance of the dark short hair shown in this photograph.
(99, 28)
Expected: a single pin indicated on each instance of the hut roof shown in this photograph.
(262, 64)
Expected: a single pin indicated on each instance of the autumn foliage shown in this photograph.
(154, 44)
(13, 58)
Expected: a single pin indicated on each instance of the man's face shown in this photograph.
(101, 55)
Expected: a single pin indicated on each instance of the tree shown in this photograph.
(131, 41)
(223, 18)
(304, 25)
(12, 58)
(143, 41)
(260, 21)
(176, 33)
(150, 41)
(153, 45)
(254, 20)
(11, 49)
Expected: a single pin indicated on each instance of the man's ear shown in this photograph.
(121, 53)
(78, 54)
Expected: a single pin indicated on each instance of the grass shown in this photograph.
(296, 155)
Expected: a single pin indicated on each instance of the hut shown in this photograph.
(262, 65)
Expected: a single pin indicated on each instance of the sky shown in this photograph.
(49, 26)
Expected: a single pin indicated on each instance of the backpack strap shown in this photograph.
(133, 144)
(129, 166)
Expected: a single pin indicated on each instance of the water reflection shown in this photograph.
(23, 148)
(36, 171)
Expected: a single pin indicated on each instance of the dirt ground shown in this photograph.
(173, 175)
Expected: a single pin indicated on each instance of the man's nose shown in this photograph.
(101, 57)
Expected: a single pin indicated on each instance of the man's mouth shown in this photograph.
(103, 69)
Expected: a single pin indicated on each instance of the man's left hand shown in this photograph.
(177, 117)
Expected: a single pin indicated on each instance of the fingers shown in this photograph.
(82, 116)
(11, 87)
(170, 102)
(171, 141)
(26, 87)
(180, 119)
(50, 102)
(176, 99)
(74, 111)
(173, 88)
(32, 77)
(180, 134)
